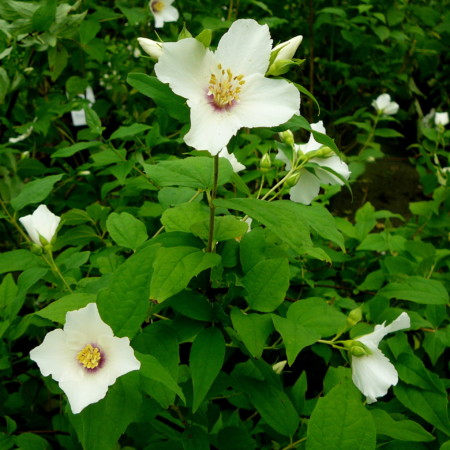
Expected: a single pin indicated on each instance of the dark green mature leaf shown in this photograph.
(131, 131)
(19, 260)
(57, 310)
(124, 306)
(195, 438)
(284, 218)
(267, 283)
(35, 191)
(174, 268)
(403, 430)
(417, 289)
(272, 403)
(340, 421)
(44, 16)
(126, 230)
(195, 172)
(225, 227)
(75, 148)
(100, 425)
(253, 329)
(161, 94)
(205, 360)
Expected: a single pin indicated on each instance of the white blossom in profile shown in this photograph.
(84, 357)
(226, 89)
(372, 372)
(384, 105)
(41, 224)
(163, 11)
(151, 47)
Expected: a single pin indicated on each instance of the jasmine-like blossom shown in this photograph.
(226, 89)
(85, 358)
(441, 119)
(237, 166)
(308, 185)
(373, 373)
(41, 224)
(151, 47)
(163, 11)
(383, 105)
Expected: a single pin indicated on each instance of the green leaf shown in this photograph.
(387, 133)
(30, 441)
(182, 217)
(418, 290)
(75, 148)
(284, 218)
(18, 260)
(430, 405)
(131, 131)
(8, 292)
(93, 121)
(44, 16)
(295, 336)
(365, 220)
(126, 230)
(192, 305)
(161, 94)
(205, 361)
(253, 329)
(340, 421)
(195, 172)
(124, 305)
(100, 425)
(57, 60)
(57, 310)
(266, 284)
(174, 268)
(35, 191)
(272, 403)
(225, 227)
(195, 438)
(403, 430)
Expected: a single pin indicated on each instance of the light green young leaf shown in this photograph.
(225, 227)
(182, 217)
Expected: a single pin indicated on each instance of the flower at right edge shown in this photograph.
(373, 374)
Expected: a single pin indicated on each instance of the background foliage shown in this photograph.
(229, 340)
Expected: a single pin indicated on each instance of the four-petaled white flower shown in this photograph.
(237, 166)
(374, 374)
(151, 47)
(42, 223)
(226, 89)
(85, 357)
(441, 118)
(383, 105)
(308, 185)
(163, 11)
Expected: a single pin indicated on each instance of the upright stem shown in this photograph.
(371, 134)
(311, 54)
(212, 208)
(51, 262)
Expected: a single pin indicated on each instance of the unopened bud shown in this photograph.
(323, 152)
(354, 317)
(292, 180)
(287, 49)
(36, 249)
(279, 366)
(356, 348)
(266, 163)
(287, 137)
(152, 48)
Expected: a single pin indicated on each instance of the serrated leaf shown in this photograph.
(205, 361)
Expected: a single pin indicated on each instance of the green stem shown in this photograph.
(12, 220)
(371, 134)
(51, 262)
(212, 208)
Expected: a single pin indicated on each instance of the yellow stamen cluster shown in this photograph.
(89, 357)
(157, 6)
(224, 87)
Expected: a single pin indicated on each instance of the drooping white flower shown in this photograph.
(151, 47)
(383, 105)
(374, 374)
(308, 184)
(41, 223)
(163, 11)
(237, 166)
(85, 358)
(226, 89)
(441, 118)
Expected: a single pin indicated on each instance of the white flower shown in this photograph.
(151, 47)
(441, 119)
(163, 11)
(226, 89)
(84, 357)
(41, 223)
(286, 50)
(308, 185)
(374, 374)
(383, 105)
(237, 166)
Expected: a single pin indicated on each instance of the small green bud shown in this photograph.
(356, 348)
(324, 152)
(184, 33)
(265, 163)
(279, 366)
(36, 249)
(287, 137)
(292, 180)
(354, 317)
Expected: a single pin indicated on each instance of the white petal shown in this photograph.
(282, 157)
(373, 375)
(391, 108)
(381, 102)
(266, 102)
(312, 144)
(441, 118)
(334, 163)
(288, 48)
(245, 47)
(55, 358)
(237, 166)
(27, 222)
(306, 189)
(211, 129)
(42, 222)
(169, 14)
(185, 66)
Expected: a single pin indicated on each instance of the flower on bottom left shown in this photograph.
(84, 357)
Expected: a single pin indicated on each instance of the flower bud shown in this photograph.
(152, 48)
(441, 118)
(279, 366)
(286, 50)
(292, 180)
(356, 348)
(323, 152)
(354, 317)
(287, 137)
(266, 163)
